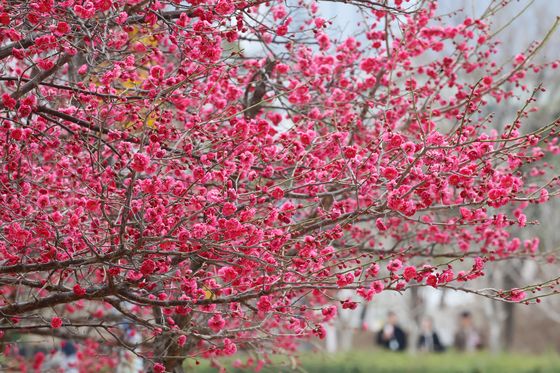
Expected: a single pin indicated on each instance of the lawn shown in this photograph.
(384, 362)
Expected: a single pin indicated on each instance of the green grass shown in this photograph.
(375, 361)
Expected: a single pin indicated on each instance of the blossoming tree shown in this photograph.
(155, 174)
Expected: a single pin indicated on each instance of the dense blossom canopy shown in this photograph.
(212, 172)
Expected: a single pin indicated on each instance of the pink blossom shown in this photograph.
(264, 304)
(277, 193)
(83, 69)
(409, 273)
(224, 7)
(373, 270)
(394, 265)
(380, 225)
(519, 59)
(228, 209)
(367, 294)
(516, 295)
(390, 173)
(329, 313)
(229, 347)
(181, 340)
(216, 323)
(140, 162)
(377, 286)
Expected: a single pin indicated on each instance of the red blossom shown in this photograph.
(329, 313)
(277, 193)
(4, 18)
(8, 101)
(62, 28)
(148, 267)
(56, 322)
(45, 64)
(78, 290)
(350, 152)
(320, 331)
(348, 304)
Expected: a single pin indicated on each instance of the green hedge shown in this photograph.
(384, 362)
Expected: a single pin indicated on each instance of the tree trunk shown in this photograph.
(416, 312)
(509, 316)
(166, 349)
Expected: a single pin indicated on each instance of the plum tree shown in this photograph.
(159, 180)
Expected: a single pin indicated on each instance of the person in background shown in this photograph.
(392, 337)
(467, 337)
(428, 341)
(69, 357)
(65, 359)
